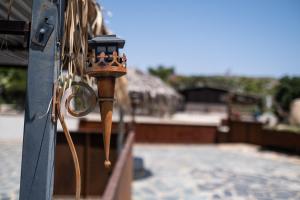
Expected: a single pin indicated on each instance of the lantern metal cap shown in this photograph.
(108, 40)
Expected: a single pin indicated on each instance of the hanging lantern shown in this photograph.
(105, 64)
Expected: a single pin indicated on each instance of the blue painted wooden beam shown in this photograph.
(39, 138)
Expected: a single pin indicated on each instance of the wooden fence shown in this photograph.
(239, 132)
(175, 133)
(244, 132)
(255, 133)
(163, 132)
(114, 184)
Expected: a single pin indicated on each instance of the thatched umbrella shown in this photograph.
(157, 96)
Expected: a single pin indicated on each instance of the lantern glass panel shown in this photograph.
(101, 49)
(111, 49)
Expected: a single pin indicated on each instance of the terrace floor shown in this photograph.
(229, 171)
(191, 172)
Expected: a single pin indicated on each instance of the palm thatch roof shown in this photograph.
(141, 82)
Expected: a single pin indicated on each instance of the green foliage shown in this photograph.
(13, 86)
(258, 86)
(287, 90)
(162, 72)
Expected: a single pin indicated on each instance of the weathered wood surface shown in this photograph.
(97, 181)
(39, 132)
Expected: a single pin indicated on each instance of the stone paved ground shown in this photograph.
(216, 172)
(191, 173)
(10, 169)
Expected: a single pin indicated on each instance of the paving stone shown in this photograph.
(170, 197)
(285, 195)
(216, 196)
(159, 185)
(227, 193)
(148, 191)
(10, 169)
(191, 172)
(230, 172)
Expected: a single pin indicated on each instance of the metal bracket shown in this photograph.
(42, 35)
(101, 99)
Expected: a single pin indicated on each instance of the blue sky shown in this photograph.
(243, 37)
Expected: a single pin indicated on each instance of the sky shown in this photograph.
(209, 37)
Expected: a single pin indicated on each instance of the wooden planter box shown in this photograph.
(114, 184)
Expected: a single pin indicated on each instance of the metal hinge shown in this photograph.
(42, 35)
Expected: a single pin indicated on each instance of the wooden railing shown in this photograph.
(119, 185)
(96, 180)
(163, 132)
(255, 133)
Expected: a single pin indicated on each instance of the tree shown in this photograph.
(13, 86)
(287, 90)
(162, 72)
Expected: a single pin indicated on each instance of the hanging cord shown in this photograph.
(70, 143)
(74, 48)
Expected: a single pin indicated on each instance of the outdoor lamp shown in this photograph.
(105, 64)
